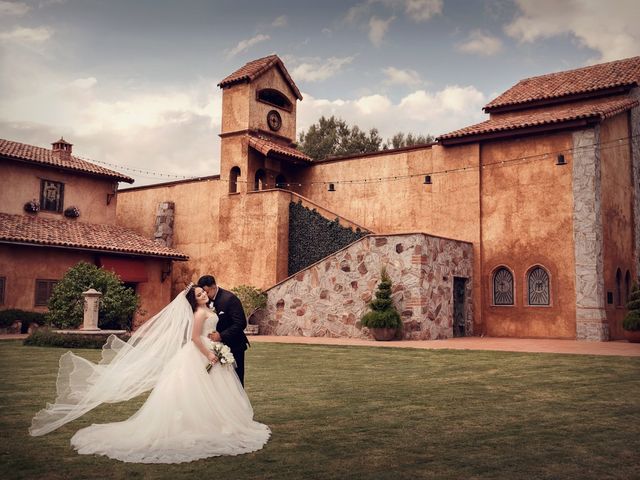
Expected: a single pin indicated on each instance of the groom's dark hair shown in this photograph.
(206, 281)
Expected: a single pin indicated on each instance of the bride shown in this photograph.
(191, 413)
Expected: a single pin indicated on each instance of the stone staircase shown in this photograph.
(328, 298)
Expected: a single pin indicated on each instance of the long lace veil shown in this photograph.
(125, 370)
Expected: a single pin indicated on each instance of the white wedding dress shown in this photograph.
(190, 414)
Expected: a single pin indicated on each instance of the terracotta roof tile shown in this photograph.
(252, 70)
(598, 110)
(266, 147)
(45, 156)
(582, 80)
(72, 234)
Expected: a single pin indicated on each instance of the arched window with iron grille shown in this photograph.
(538, 287)
(503, 286)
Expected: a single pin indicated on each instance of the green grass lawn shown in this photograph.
(371, 413)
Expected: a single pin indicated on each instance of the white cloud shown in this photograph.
(396, 76)
(13, 8)
(85, 83)
(422, 10)
(378, 29)
(281, 21)
(481, 43)
(246, 44)
(420, 111)
(27, 35)
(373, 104)
(169, 129)
(317, 69)
(610, 28)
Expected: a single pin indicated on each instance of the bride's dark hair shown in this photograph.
(191, 298)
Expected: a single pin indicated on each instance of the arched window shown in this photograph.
(281, 181)
(503, 287)
(233, 179)
(261, 178)
(275, 98)
(538, 286)
(618, 288)
(627, 287)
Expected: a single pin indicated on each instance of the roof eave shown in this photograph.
(179, 258)
(513, 132)
(119, 178)
(540, 102)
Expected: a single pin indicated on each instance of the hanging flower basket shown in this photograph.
(72, 212)
(32, 207)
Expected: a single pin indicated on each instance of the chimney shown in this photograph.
(62, 149)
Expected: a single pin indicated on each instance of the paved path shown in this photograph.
(618, 348)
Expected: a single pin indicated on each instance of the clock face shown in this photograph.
(274, 120)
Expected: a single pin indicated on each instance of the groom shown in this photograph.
(231, 321)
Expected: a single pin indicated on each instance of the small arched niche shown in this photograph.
(233, 179)
(275, 98)
(260, 180)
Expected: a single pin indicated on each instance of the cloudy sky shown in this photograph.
(133, 82)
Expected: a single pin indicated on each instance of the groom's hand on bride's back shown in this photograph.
(215, 336)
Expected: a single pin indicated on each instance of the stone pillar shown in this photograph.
(164, 224)
(591, 318)
(91, 306)
(635, 162)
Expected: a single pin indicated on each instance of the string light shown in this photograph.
(615, 143)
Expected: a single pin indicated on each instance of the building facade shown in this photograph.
(57, 210)
(546, 192)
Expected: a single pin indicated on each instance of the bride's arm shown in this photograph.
(199, 318)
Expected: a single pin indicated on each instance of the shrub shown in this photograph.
(45, 337)
(252, 299)
(383, 313)
(66, 305)
(631, 321)
(10, 316)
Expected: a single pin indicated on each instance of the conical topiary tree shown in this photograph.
(631, 320)
(383, 313)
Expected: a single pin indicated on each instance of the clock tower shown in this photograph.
(259, 126)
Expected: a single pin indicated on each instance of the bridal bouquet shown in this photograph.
(223, 352)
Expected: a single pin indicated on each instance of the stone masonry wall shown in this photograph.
(329, 298)
(591, 318)
(163, 234)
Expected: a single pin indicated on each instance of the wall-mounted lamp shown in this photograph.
(166, 271)
(427, 179)
(332, 187)
(561, 160)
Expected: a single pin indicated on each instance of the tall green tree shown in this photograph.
(400, 140)
(332, 137)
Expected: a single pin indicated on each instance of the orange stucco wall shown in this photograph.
(20, 182)
(527, 220)
(22, 265)
(617, 211)
(240, 239)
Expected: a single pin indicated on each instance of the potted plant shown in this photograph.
(631, 322)
(383, 320)
(32, 207)
(72, 212)
(252, 299)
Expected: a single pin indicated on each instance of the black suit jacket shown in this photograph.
(231, 320)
